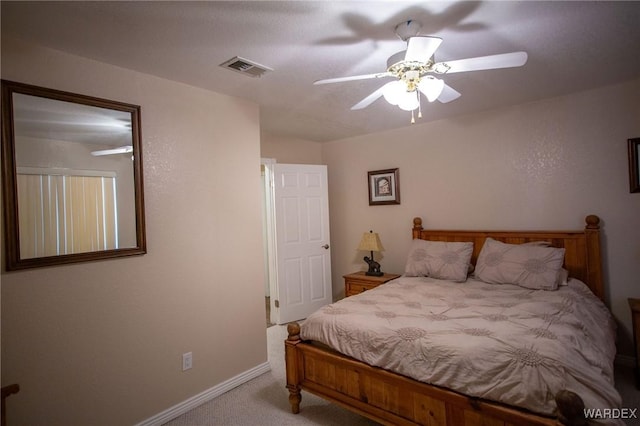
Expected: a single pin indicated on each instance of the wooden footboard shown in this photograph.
(393, 399)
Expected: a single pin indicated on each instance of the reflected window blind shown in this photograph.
(65, 214)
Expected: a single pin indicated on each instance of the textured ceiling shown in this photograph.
(572, 46)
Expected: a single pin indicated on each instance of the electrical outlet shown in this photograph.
(187, 361)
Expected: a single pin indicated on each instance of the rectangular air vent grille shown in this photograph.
(245, 66)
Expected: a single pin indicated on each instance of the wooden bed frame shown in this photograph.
(392, 399)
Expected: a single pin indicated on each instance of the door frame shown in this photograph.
(270, 237)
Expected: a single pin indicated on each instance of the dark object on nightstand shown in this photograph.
(374, 267)
(634, 304)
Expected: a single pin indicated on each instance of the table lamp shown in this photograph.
(371, 242)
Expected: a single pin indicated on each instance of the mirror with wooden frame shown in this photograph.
(72, 177)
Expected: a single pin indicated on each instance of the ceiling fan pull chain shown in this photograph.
(419, 104)
(413, 120)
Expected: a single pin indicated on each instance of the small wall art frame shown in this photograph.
(634, 160)
(384, 187)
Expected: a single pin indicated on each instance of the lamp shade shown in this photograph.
(370, 242)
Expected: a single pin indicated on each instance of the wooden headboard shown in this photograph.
(582, 248)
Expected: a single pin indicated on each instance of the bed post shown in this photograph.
(594, 271)
(417, 227)
(570, 408)
(291, 363)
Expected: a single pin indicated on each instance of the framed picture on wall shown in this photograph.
(634, 159)
(384, 187)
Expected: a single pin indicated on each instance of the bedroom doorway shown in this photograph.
(296, 240)
(268, 238)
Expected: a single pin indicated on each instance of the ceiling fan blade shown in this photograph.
(421, 48)
(352, 78)
(448, 94)
(122, 150)
(504, 60)
(371, 98)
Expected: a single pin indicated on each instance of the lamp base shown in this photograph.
(374, 267)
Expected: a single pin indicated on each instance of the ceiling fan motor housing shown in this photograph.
(408, 71)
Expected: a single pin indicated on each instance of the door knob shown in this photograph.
(326, 246)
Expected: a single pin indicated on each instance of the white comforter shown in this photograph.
(499, 342)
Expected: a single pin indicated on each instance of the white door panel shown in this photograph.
(302, 240)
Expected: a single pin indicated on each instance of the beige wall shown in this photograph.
(543, 165)
(290, 150)
(100, 343)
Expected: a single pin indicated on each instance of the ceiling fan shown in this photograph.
(121, 150)
(413, 71)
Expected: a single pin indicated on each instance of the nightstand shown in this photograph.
(358, 282)
(634, 304)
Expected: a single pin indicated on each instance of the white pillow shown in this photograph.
(563, 274)
(527, 265)
(439, 259)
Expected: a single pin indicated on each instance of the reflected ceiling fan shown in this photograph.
(413, 70)
(121, 150)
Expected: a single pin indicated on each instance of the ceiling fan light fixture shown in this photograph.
(431, 87)
(409, 101)
(393, 92)
(396, 93)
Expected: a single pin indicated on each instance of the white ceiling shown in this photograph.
(572, 46)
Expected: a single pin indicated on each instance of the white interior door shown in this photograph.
(302, 241)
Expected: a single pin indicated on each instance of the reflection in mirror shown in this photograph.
(73, 177)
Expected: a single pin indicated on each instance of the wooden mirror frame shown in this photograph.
(634, 164)
(9, 178)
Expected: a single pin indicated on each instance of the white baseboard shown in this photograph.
(207, 395)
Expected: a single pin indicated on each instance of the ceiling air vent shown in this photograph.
(245, 66)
